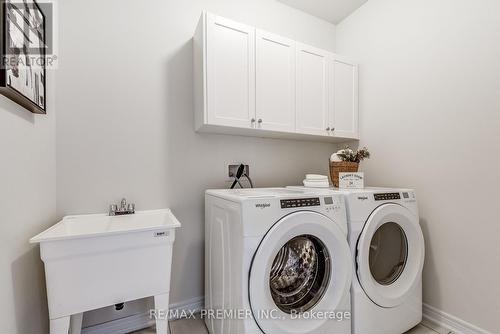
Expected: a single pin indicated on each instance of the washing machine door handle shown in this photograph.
(390, 255)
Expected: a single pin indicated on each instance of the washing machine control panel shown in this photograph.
(300, 202)
(387, 196)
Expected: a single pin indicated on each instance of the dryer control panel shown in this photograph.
(300, 202)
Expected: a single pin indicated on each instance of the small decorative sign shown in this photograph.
(351, 180)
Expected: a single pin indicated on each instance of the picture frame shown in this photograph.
(23, 71)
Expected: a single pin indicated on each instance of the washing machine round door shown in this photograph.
(302, 265)
(390, 255)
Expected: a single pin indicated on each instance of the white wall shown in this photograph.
(430, 101)
(27, 207)
(125, 121)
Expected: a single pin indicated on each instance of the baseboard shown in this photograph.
(193, 304)
(449, 322)
(140, 321)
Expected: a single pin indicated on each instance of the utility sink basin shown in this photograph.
(90, 226)
(93, 261)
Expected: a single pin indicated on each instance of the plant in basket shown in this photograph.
(346, 161)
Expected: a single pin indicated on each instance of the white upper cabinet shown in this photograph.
(230, 72)
(312, 90)
(255, 83)
(275, 88)
(344, 100)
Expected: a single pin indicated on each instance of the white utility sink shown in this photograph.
(93, 261)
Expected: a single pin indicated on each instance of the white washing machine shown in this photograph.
(388, 250)
(277, 261)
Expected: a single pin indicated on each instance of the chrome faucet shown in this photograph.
(124, 209)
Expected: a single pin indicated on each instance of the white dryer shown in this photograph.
(277, 261)
(388, 245)
(388, 250)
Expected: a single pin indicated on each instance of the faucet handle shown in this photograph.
(112, 209)
(131, 207)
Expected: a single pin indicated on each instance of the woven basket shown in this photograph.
(341, 167)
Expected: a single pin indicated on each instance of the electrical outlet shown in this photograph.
(233, 169)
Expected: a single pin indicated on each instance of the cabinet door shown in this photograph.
(312, 90)
(275, 89)
(344, 102)
(230, 72)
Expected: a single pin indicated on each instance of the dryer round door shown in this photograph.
(303, 264)
(390, 255)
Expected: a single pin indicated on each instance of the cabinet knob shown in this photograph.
(260, 120)
(252, 120)
(333, 129)
(328, 129)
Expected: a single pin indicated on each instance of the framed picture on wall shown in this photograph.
(22, 48)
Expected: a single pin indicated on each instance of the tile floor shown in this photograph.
(196, 326)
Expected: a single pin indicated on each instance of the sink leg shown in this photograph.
(59, 325)
(161, 306)
(76, 323)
